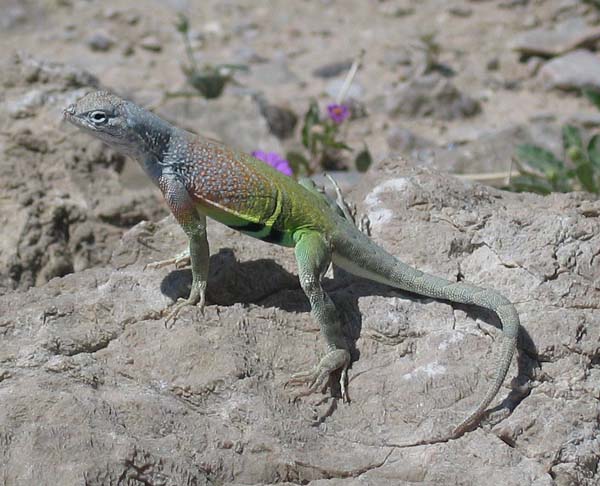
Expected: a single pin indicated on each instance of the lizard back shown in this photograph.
(244, 193)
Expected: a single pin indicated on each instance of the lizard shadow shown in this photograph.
(266, 283)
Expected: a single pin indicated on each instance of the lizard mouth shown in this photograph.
(69, 114)
(69, 111)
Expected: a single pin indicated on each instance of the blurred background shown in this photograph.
(502, 92)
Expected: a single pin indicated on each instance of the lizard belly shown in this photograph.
(267, 229)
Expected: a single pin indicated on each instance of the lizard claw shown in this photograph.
(317, 377)
(180, 261)
(195, 298)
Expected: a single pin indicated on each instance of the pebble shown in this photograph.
(586, 120)
(564, 37)
(530, 21)
(151, 43)
(493, 64)
(432, 95)
(27, 104)
(100, 41)
(248, 55)
(12, 16)
(396, 57)
(461, 11)
(281, 119)
(534, 64)
(573, 71)
(332, 69)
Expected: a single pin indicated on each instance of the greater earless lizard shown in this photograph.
(202, 178)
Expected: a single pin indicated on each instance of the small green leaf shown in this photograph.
(539, 158)
(577, 155)
(337, 145)
(593, 96)
(298, 163)
(182, 25)
(232, 67)
(528, 183)
(363, 160)
(571, 137)
(593, 149)
(310, 120)
(585, 174)
(209, 85)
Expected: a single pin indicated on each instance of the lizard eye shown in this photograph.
(98, 117)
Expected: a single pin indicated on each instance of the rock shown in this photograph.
(50, 77)
(403, 141)
(431, 95)
(512, 3)
(100, 41)
(492, 150)
(396, 56)
(333, 69)
(564, 37)
(463, 11)
(67, 206)
(236, 121)
(493, 64)
(530, 21)
(213, 29)
(26, 105)
(574, 71)
(13, 16)
(281, 119)
(402, 11)
(586, 120)
(248, 55)
(132, 18)
(119, 396)
(273, 73)
(534, 63)
(151, 43)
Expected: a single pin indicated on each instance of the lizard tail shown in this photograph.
(355, 253)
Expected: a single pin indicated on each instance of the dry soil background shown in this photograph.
(94, 390)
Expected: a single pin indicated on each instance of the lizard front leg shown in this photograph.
(313, 256)
(193, 223)
(180, 261)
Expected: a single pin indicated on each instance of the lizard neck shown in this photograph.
(153, 138)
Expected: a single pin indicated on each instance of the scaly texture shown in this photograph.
(200, 178)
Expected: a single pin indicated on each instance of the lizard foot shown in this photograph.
(197, 297)
(316, 378)
(180, 261)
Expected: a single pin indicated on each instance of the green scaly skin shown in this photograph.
(201, 178)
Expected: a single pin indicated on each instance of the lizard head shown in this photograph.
(106, 117)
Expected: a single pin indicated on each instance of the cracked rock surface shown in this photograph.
(94, 390)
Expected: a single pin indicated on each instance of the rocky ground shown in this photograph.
(94, 389)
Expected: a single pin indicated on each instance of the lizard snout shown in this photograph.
(69, 111)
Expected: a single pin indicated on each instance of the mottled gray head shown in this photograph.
(117, 122)
(101, 114)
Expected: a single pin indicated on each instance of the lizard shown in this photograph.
(202, 178)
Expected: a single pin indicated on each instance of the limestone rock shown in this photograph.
(574, 71)
(95, 389)
(431, 95)
(564, 37)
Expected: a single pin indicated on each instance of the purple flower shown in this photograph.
(338, 113)
(274, 160)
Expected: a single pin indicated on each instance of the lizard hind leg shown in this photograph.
(313, 256)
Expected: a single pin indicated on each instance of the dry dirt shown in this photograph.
(94, 390)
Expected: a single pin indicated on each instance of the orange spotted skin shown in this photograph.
(242, 192)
